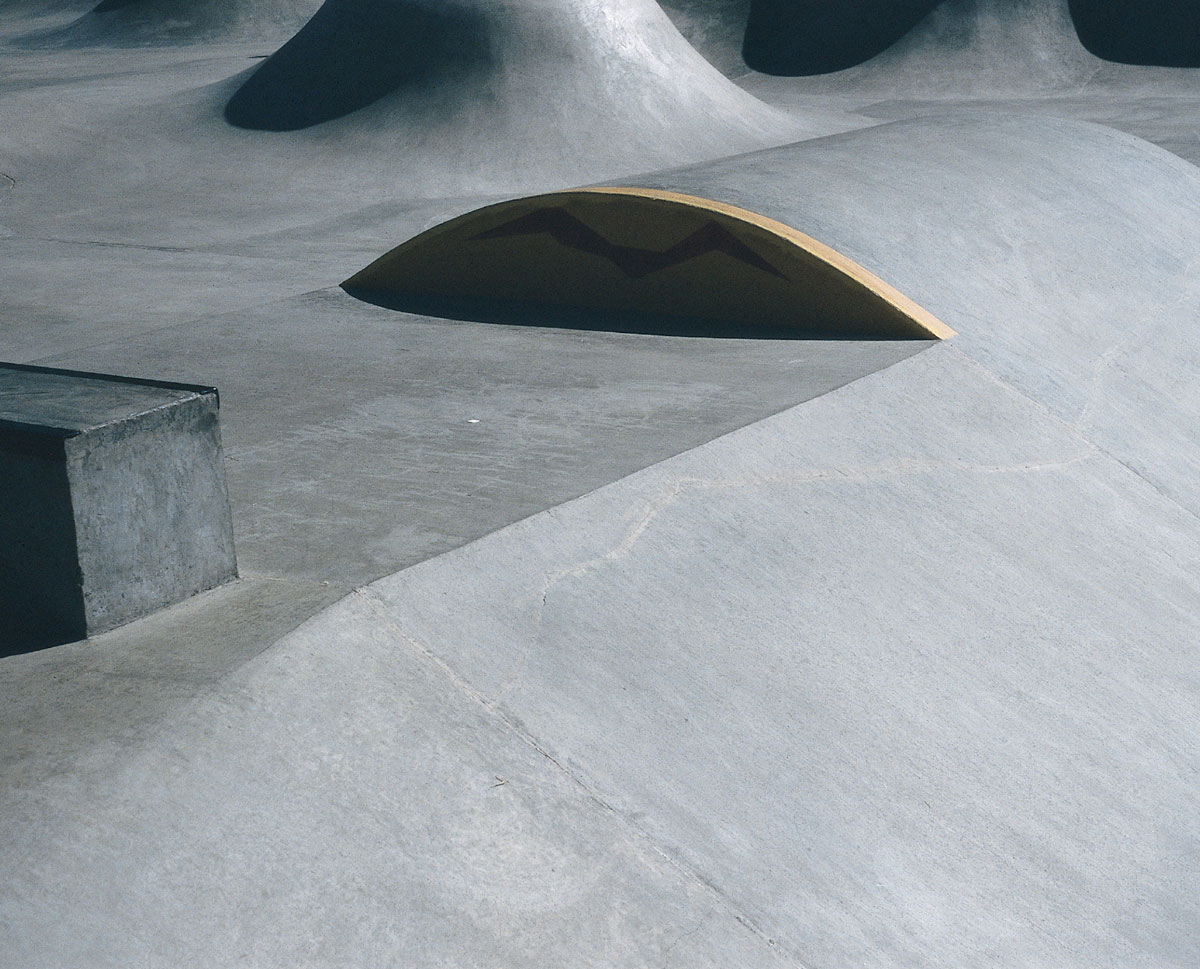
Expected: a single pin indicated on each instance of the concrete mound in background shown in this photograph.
(381, 102)
(592, 82)
(963, 47)
(805, 37)
(1022, 56)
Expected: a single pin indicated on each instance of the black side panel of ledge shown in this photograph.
(41, 597)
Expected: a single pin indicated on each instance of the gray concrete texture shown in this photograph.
(900, 673)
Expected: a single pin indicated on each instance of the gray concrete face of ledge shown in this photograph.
(112, 502)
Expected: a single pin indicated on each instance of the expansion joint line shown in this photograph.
(1133, 335)
(1082, 423)
(377, 607)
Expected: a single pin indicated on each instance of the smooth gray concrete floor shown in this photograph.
(892, 678)
(350, 459)
(904, 675)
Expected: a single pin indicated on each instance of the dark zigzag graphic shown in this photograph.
(634, 262)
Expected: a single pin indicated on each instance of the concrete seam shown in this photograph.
(1096, 448)
(115, 245)
(1106, 360)
(1156, 488)
(683, 485)
(378, 607)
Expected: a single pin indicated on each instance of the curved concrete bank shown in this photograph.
(1064, 255)
(715, 28)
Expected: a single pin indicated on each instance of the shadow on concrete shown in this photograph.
(1163, 33)
(800, 37)
(41, 598)
(108, 6)
(512, 313)
(354, 52)
(803, 37)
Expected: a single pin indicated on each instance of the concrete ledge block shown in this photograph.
(112, 502)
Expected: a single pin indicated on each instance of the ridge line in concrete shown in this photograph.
(350, 591)
(1092, 449)
(1132, 335)
(377, 607)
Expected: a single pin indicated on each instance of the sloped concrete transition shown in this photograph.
(564, 641)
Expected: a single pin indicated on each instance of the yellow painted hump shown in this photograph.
(602, 257)
(823, 252)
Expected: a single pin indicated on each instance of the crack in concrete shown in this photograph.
(1108, 358)
(379, 609)
(679, 938)
(656, 505)
(113, 245)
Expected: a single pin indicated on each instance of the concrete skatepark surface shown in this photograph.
(579, 647)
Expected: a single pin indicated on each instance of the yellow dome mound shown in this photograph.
(641, 253)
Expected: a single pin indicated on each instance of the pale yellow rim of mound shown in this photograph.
(848, 267)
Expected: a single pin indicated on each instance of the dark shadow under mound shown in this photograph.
(108, 6)
(800, 37)
(354, 52)
(803, 37)
(514, 313)
(1165, 33)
